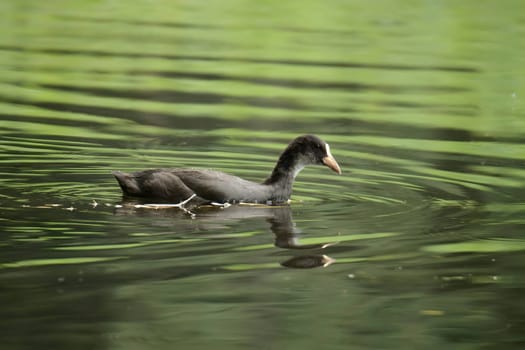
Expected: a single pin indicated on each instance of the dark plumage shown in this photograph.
(177, 185)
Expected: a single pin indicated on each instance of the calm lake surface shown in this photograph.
(419, 244)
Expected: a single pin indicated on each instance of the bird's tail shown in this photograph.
(127, 182)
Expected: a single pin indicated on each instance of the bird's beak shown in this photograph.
(332, 164)
(330, 161)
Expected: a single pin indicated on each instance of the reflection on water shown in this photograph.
(280, 219)
(419, 244)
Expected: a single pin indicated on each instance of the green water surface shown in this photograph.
(419, 244)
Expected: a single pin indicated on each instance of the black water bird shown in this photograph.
(202, 186)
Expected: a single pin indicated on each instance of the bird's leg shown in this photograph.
(163, 206)
(221, 205)
(181, 204)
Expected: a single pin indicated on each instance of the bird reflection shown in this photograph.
(308, 261)
(287, 234)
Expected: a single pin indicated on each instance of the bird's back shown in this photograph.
(180, 183)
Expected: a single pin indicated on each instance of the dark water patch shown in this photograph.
(401, 131)
(201, 121)
(178, 24)
(55, 141)
(347, 86)
(122, 112)
(164, 40)
(291, 62)
(340, 64)
(308, 84)
(130, 114)
(174, 96)
(103, 53)
(440, 108)
(486, 150)
(172, 120)
(200, 26)
(177, 96)
(97, 111)
(47, 120)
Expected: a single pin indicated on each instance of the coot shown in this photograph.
(208, 186)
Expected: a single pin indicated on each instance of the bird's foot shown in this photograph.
(179, 205)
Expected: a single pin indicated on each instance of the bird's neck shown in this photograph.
(283, 175)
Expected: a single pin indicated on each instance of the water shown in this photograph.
(419, 244)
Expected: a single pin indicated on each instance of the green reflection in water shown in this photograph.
(61, 261)
(125, 245)
(422, 104)
(326, 239)
(488, 246)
